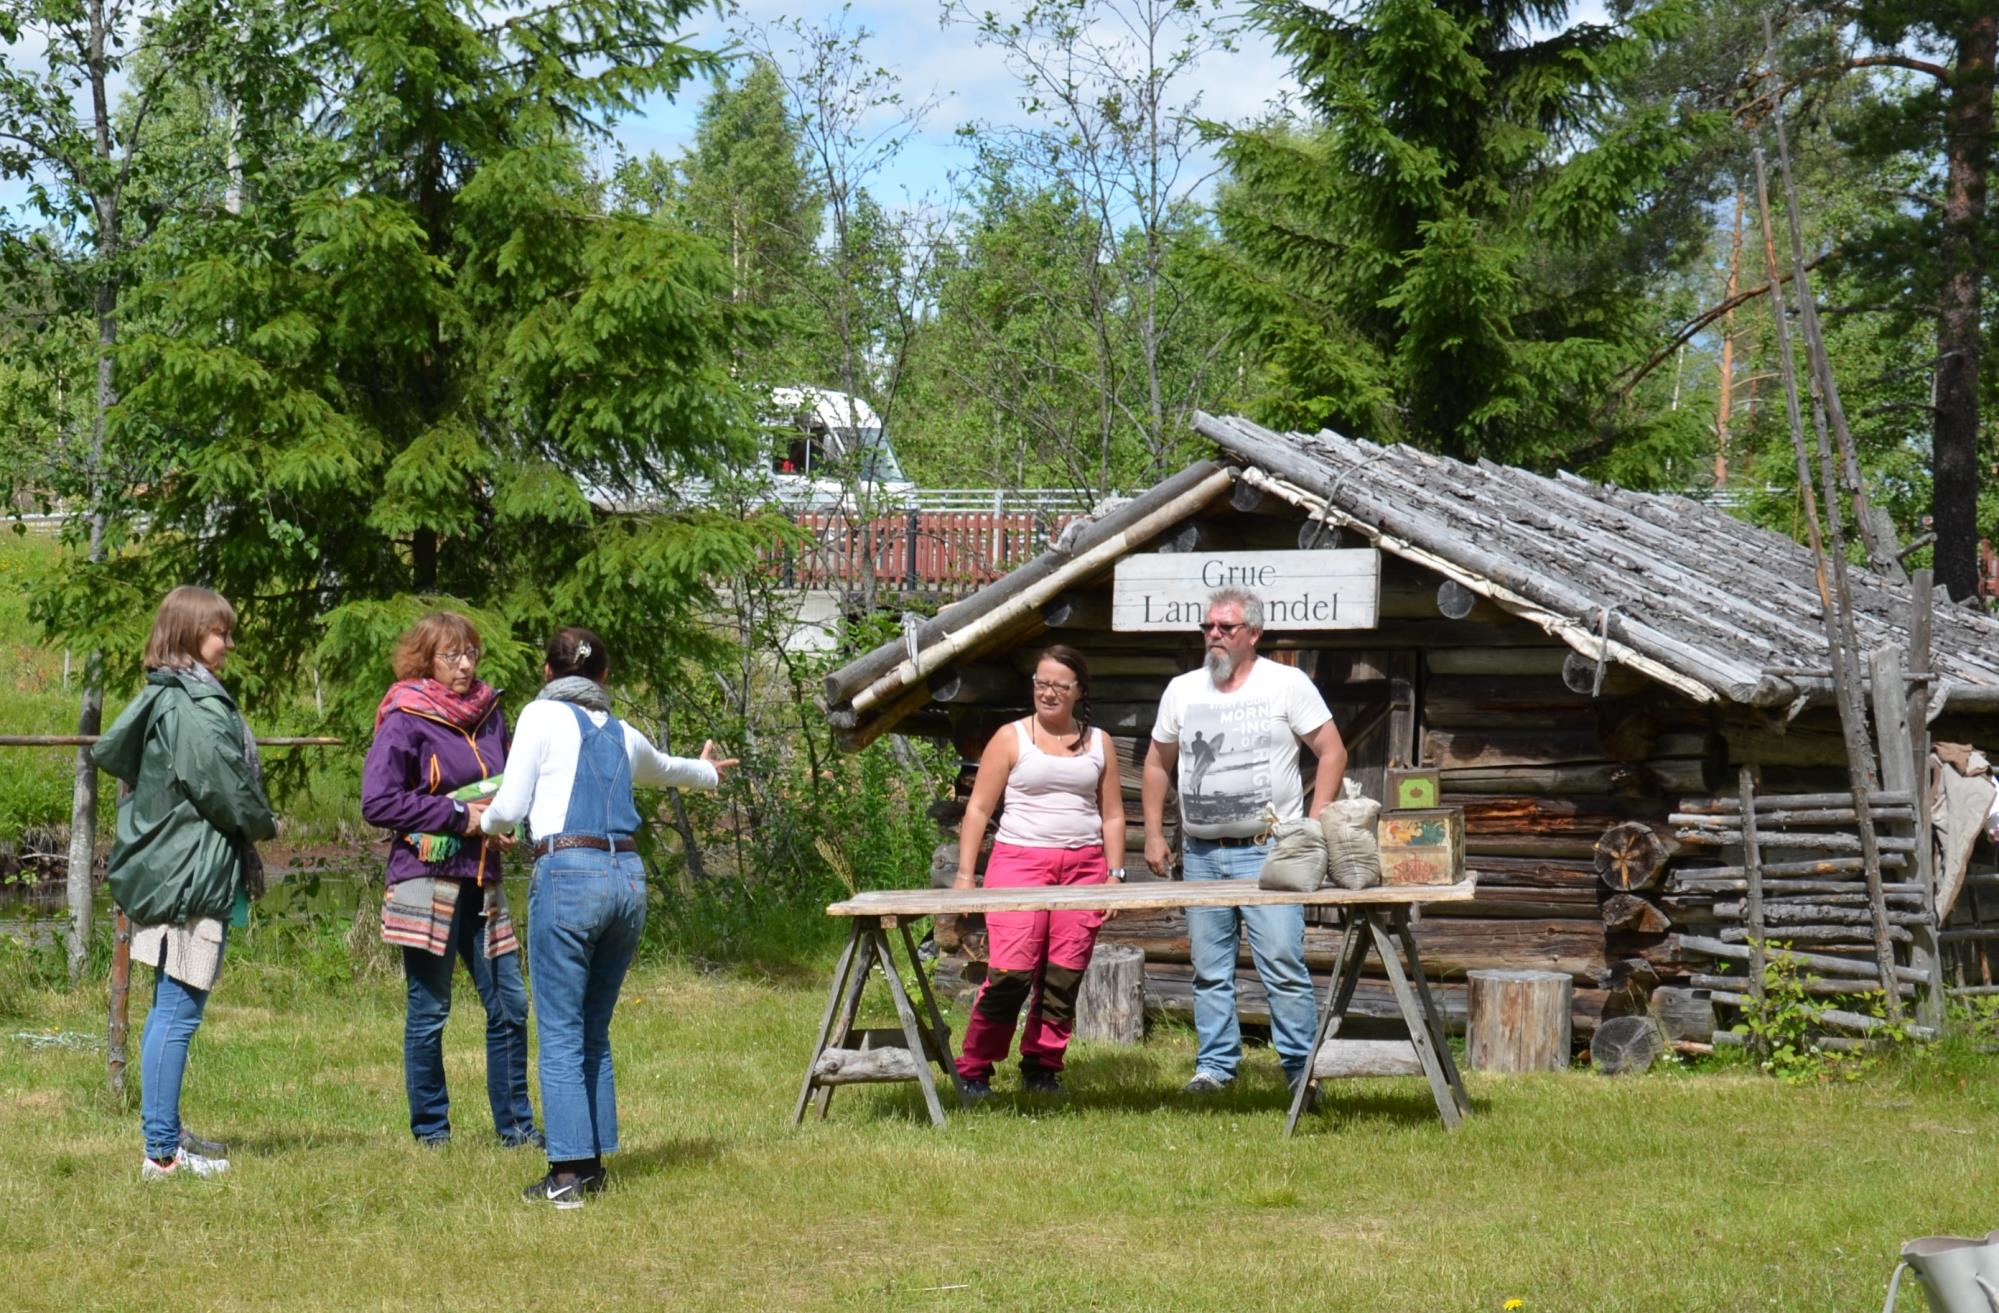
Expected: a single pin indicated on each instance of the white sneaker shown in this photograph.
(184, 1163)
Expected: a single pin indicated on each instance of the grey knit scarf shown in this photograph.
(574, 688)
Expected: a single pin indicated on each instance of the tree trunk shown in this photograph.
(1954, 437)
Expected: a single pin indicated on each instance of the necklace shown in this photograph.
(1061, 739)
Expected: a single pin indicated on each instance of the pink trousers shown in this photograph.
(1037, 959)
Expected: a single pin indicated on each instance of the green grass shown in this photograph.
(1717, 1191)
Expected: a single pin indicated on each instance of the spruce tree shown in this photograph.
(434, 366)
(1451, 244)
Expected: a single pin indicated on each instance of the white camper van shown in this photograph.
(827, 449)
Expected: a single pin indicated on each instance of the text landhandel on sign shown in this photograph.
(1300, 590)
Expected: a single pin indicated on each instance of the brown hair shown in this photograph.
(577, 651)
(417, 650)
(186, 616)
(1063, 654)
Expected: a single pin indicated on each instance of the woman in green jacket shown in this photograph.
(184, 860)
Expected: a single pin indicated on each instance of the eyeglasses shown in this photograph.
(1225, 630)
(453, 657)
(1053, 686)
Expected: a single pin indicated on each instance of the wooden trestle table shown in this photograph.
(1375, 919)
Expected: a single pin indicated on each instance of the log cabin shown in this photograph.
(1596, 675)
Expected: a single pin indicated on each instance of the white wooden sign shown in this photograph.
(1164, 591)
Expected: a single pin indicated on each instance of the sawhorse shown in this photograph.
(877, 1058)
(1385, 929)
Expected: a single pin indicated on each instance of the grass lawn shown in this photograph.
(1683, 1190)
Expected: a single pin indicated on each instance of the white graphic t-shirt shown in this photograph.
(1239, 751)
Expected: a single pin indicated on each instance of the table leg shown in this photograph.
(857, 984)
(826, 1022)
(910, 1031)
(939, 1029)
(1412, 1016)
(1439, 1032)
(1339, 993)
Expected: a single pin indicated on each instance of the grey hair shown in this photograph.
(1251, 604)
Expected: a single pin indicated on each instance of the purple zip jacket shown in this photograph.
(414, 762)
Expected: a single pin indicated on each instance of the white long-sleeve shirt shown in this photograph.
(542, 764)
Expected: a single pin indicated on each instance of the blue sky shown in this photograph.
(969, 84)
(945, 65)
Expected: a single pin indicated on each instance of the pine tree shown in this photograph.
(1452, 248)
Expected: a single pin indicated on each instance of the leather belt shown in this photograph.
(557, 843)
(1238, 840)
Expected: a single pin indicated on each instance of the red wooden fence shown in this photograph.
(916, 551)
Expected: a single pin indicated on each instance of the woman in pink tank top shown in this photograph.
(1062, 823)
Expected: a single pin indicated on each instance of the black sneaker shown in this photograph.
(193, 1143)
(1040, 1080)
(975, 1091)
(562, 1194)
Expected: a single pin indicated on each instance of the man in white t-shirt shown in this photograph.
(1233, 727)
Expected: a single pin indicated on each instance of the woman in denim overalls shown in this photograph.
(570, 776)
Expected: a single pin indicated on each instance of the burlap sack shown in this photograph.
(1296, 862)
(1353, 858)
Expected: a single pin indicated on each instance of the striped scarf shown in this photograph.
(418, 914)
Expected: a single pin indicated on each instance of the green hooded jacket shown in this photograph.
(194, 801)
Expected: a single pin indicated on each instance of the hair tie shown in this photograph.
(582, 651)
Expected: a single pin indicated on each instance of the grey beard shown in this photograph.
(1220, 665)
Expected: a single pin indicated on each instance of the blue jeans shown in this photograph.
(1276, 945)
(170, 1025)
(427, 982)
(586, 910)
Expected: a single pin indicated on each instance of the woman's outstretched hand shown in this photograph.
(720, 764)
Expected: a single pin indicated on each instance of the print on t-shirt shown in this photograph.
(1238, 752)
(1225, 772)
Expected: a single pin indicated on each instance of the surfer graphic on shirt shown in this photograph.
(1201, 754)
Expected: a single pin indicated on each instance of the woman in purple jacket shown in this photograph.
(439, 729)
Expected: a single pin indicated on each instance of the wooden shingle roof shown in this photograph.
(1714, 607)
(1710, 604)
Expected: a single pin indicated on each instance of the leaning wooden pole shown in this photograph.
(1836, 609)
(1752, 867)
(1873, 532)
(1881, 554)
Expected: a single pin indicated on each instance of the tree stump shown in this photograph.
(1110, 1006)
(1626, 1044)
(1518, 1020)
(1631, 856)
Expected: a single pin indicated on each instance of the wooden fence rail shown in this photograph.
(950, 551)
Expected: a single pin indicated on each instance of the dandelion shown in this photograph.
(1512, 1304)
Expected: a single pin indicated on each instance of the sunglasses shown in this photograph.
(1225, 630)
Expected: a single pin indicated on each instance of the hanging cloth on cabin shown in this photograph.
(1962, 798)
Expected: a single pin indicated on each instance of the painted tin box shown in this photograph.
(1422, 846)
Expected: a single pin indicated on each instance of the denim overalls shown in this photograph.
(586, 908)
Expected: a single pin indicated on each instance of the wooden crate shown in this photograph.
(1423, 846)
(1416, 789)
